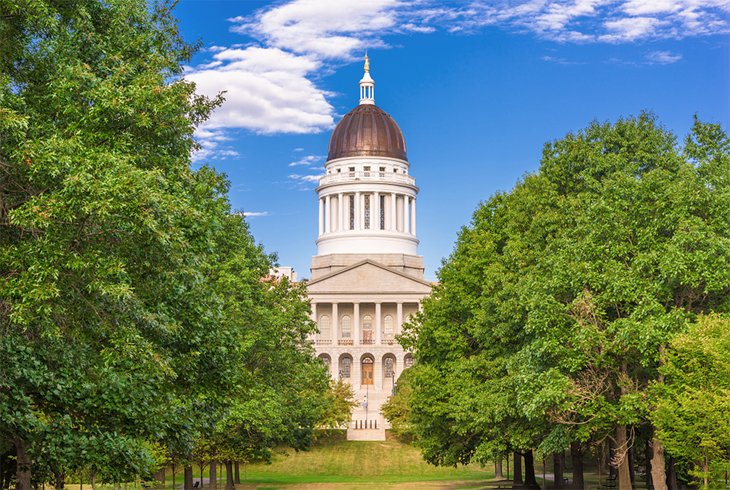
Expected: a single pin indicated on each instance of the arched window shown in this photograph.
(367, 330)
(408, 361)
(346, 327)
(388, 328)
(345, 367)
(367, 365)
(325, 327)
(327, 360)
(389, 367)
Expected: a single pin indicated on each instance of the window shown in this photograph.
(382, 211)
(326, 360)
(352, 211)
(325, 327)
(346, 328)
(367, 330)
(367, 171)
(352, 171)
(367, 211)
(339, 170)
(382, 171)
(389, 367)
(345, 367)
(388, 327)
(408, 361)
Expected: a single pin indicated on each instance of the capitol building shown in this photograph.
(367, 277)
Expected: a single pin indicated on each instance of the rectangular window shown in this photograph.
(382, 212)
(352, 211)
(366, 169)
(382, 171)
(367, 211)
(352, 171)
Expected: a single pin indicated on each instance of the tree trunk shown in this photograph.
(188, 477)
(23, 465)
(658, 465)
(237, 472)
(621, 459)
(498, 468)
(517, 469)
(229, 476)
(558, 469)
(173, 475)
(59, 479)
(576, 456)
(672, 483)
(530, 480)
(632, 464)
(93, 481)
(160, 477)
(213, 475)
(201, 465)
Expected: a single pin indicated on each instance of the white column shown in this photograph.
(375, 211)
(341, 214)
(406, 213)
(335, 325)
(398, 317)
(393, 214)
(356, 323)
(413, 216)
(358, 205)
(327, 214)
(321, 216)
(378, 323)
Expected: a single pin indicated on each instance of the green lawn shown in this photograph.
(355, 462)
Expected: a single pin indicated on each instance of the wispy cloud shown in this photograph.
(663, 57)
(307, 161)
(255, 214)
(271, 82)
(304, 182)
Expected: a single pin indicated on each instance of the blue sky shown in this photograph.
(477, 88)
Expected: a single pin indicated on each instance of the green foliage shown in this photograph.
(340, 402)
(692, 405)
(397, 409)
(132, 310)
(548, 319)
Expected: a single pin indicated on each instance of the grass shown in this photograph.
(356, 462)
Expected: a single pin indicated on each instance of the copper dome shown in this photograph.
(367, 130)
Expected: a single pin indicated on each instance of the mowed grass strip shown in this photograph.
(339, 461)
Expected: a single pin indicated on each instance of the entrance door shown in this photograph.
(367, 371)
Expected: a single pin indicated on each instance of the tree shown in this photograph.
(117, 328)
(550, 316)
(692, 404)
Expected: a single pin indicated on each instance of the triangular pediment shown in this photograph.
(368, 276)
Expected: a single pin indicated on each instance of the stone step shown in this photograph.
(365, 434)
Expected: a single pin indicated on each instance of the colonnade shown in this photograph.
(345, 211)
(356, 335)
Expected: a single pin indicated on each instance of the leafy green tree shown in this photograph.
(122, 325)
(340, 400)
(552, 312)
(692, 405)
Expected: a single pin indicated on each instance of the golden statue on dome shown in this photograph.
(367, 63)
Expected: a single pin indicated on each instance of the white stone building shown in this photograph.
(367, 278)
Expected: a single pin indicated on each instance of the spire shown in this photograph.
(367, 85)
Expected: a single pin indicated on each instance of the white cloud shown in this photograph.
(306, 178)
(255, 214)
(307, 161)
(270, 82)
(663, 57)
(266, 90)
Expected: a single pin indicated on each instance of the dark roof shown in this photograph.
(367, 130)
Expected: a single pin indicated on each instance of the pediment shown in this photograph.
(368, 277)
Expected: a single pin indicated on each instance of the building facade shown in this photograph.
(367, 277)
